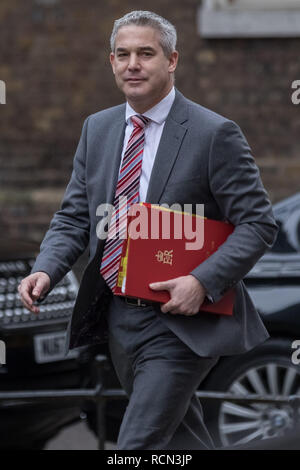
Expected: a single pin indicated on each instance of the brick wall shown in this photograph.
(54, 60)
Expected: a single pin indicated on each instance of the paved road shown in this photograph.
(76, 437)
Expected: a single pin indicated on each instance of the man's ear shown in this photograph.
(173, 60)
(112, 61)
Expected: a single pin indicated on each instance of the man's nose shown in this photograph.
(133, 62)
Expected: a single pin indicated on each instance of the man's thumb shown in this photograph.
(38, 288)
(159, 285)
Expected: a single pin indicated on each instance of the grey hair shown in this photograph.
(168, 35)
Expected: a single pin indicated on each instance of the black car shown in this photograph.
(35, 358)
(272, 368)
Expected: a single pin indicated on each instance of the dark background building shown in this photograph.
(54, 62)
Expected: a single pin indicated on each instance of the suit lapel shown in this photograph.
(111, 166)
(168, 149)
(113, 159)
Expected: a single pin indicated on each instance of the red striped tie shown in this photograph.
(127, 193)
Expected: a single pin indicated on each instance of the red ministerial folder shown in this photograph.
(155, 250)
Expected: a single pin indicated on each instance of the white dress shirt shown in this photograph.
(153, 132)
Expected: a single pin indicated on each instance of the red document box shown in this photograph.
(147, 260)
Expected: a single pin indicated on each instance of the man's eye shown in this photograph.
(122, 54)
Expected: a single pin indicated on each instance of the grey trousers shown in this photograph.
(160, 375)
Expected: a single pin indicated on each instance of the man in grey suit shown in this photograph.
(190, 155)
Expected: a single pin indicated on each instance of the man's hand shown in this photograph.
(32, 287)
(186, 292)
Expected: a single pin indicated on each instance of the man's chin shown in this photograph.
(135, 89)
(135, 95)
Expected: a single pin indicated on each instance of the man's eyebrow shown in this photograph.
(142, 48)
(146, 48)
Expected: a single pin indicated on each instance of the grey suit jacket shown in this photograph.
(202, 158)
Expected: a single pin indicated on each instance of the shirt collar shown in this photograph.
(158, 113)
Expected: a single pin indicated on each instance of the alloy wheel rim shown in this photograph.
(244, 423)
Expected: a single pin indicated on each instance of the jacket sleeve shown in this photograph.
(68, 233)
(237, 188)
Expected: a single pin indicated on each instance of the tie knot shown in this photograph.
(139, 120)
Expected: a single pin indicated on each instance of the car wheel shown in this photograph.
(266, 370)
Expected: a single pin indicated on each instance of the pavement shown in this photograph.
(76, 437)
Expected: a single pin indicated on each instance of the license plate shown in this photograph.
(50, 347)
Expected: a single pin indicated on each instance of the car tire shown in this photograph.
(267, 369)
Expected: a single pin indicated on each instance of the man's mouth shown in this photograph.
(134, 79)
